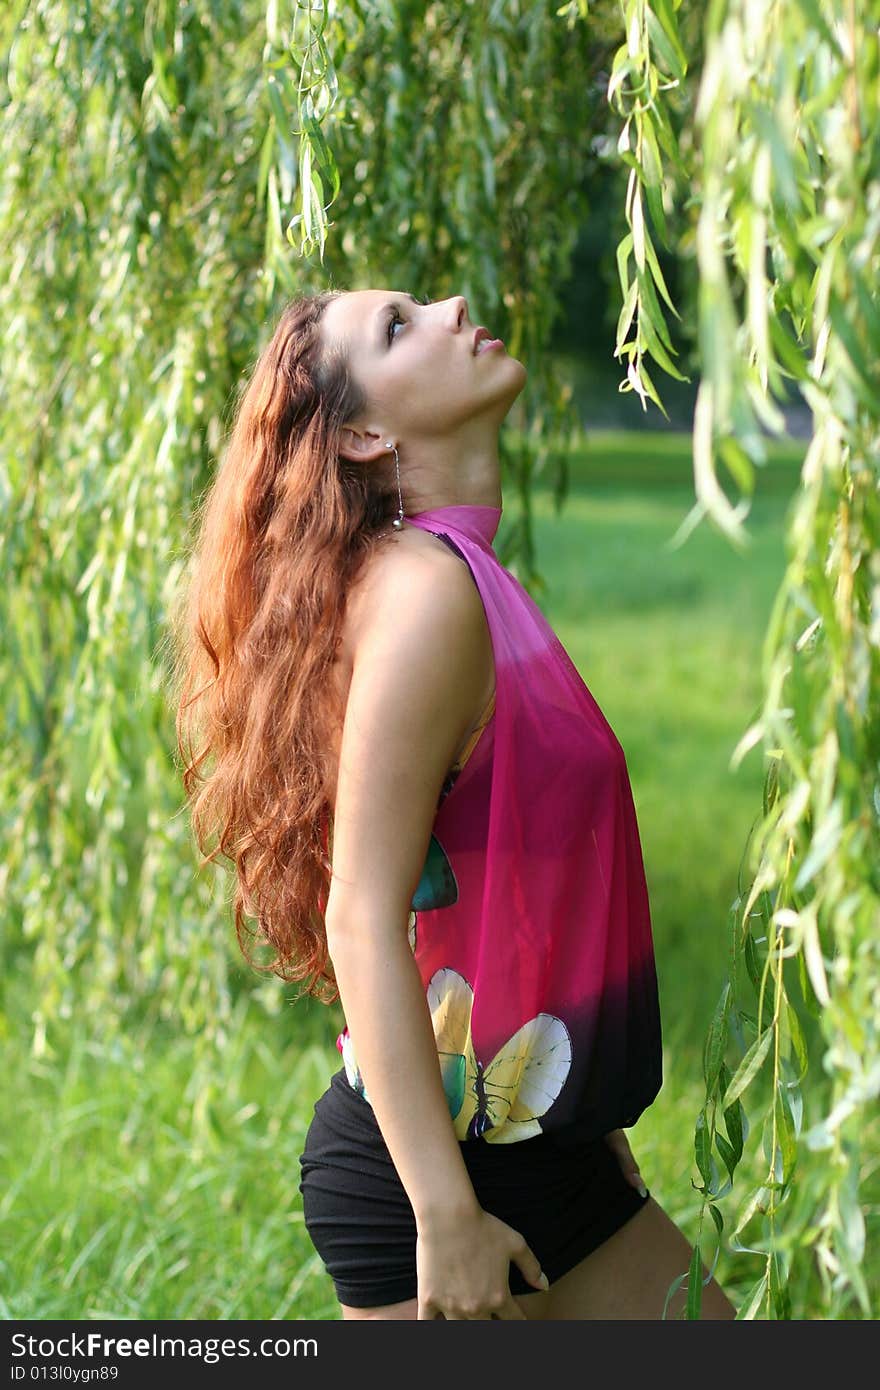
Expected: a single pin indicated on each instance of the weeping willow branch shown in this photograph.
(784, 166)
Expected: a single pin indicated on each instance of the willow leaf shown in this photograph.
(748, 1068)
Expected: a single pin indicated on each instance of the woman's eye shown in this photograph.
(393, 319)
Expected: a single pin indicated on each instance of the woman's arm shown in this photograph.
(422, 663)
(389, 1021)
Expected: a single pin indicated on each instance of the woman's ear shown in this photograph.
(360, 446)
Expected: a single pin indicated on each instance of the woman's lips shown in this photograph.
(486, 344)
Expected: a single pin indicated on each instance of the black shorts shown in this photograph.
(564, 1201)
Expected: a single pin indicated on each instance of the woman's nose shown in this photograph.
(460, 310)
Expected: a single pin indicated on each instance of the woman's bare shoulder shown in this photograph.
(413, 557)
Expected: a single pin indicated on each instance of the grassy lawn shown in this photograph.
(157, 1181)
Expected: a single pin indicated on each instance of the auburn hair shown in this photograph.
(279, 537)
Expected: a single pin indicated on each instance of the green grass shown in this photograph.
(152, 1180)
(146, 1182)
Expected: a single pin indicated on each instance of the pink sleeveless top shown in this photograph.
(531, 925)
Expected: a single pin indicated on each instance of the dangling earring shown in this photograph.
(397, 523)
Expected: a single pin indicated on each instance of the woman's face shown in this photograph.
(417, 365)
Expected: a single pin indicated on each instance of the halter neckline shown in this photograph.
(476, 520)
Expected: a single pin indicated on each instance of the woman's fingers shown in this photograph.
(619, 1145)
(528, 1262)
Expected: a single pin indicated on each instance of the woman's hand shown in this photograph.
(463, 1266)
(619, 1145)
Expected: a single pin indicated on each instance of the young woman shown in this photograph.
(429, 813)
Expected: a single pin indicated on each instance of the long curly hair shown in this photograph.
(280, 537)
